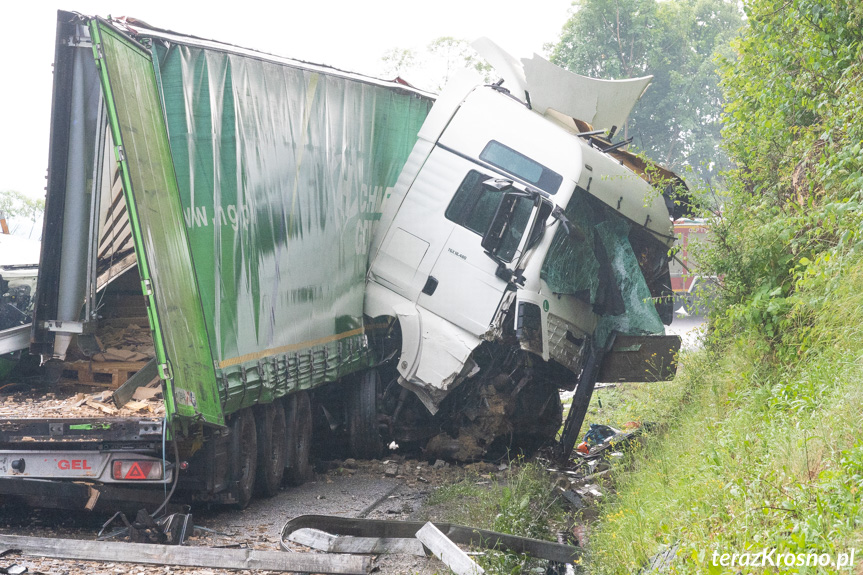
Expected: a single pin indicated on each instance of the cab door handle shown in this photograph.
(431, 285)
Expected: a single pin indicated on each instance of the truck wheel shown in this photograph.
(271, 448)
(364, 437)
(244, 445)
(299, 434)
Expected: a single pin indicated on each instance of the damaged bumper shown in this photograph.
(436, 355)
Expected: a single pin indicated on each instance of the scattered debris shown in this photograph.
(596, 435)
(66, 400)
(574, 499)
(171, 530)
(661, 562)
(206, 557)
(447, 551)
(592, 477)
(460, 534)
(131, 340)
(115, 354)
(600, 438)
(144, 384)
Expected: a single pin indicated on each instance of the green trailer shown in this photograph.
(229, 197)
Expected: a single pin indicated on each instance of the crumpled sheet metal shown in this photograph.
(435, 354)
(281, 172)
(600, 103)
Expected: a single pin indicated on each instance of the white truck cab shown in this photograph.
(512, 227)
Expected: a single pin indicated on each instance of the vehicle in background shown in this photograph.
(19, 264)
(691, 288)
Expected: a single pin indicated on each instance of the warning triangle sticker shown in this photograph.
(135, 472)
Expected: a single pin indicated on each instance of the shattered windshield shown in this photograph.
(601, 270)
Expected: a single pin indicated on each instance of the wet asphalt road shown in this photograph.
(690, 328)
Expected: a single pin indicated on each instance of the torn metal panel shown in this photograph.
(435, 354)
(549, 88)
(123, 394)
(187, 556)
(600, 103)
(641, 358)
(567, 343)
(481, 538)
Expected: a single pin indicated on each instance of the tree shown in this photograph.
(790, 233)
(433, 68)
(456, 53)
(398, 61)
(677, 122)
(15, 204)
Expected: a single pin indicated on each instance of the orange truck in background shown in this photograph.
(688, 284)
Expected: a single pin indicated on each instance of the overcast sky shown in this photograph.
(351, 35)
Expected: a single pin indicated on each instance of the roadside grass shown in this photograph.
(523, 502)
(750, 454)
(753, 455)
(623, 404)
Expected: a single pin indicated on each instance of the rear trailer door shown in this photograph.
(155, 216)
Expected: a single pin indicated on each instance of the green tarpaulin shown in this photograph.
(281, 172)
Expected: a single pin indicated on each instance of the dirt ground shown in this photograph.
(393, 488)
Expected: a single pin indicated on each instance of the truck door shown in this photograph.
(463, 287)
(155, 215)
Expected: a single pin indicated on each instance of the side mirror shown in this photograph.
(500, 239)
(494, 236)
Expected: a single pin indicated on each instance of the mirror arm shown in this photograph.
(571, 230)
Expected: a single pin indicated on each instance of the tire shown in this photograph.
(364, 438)
(299, 438)
(244, 448)
(271, 448)
(538, 417)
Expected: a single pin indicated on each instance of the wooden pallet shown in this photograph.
(110, 374)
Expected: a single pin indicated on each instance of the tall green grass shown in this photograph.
(756, 454)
